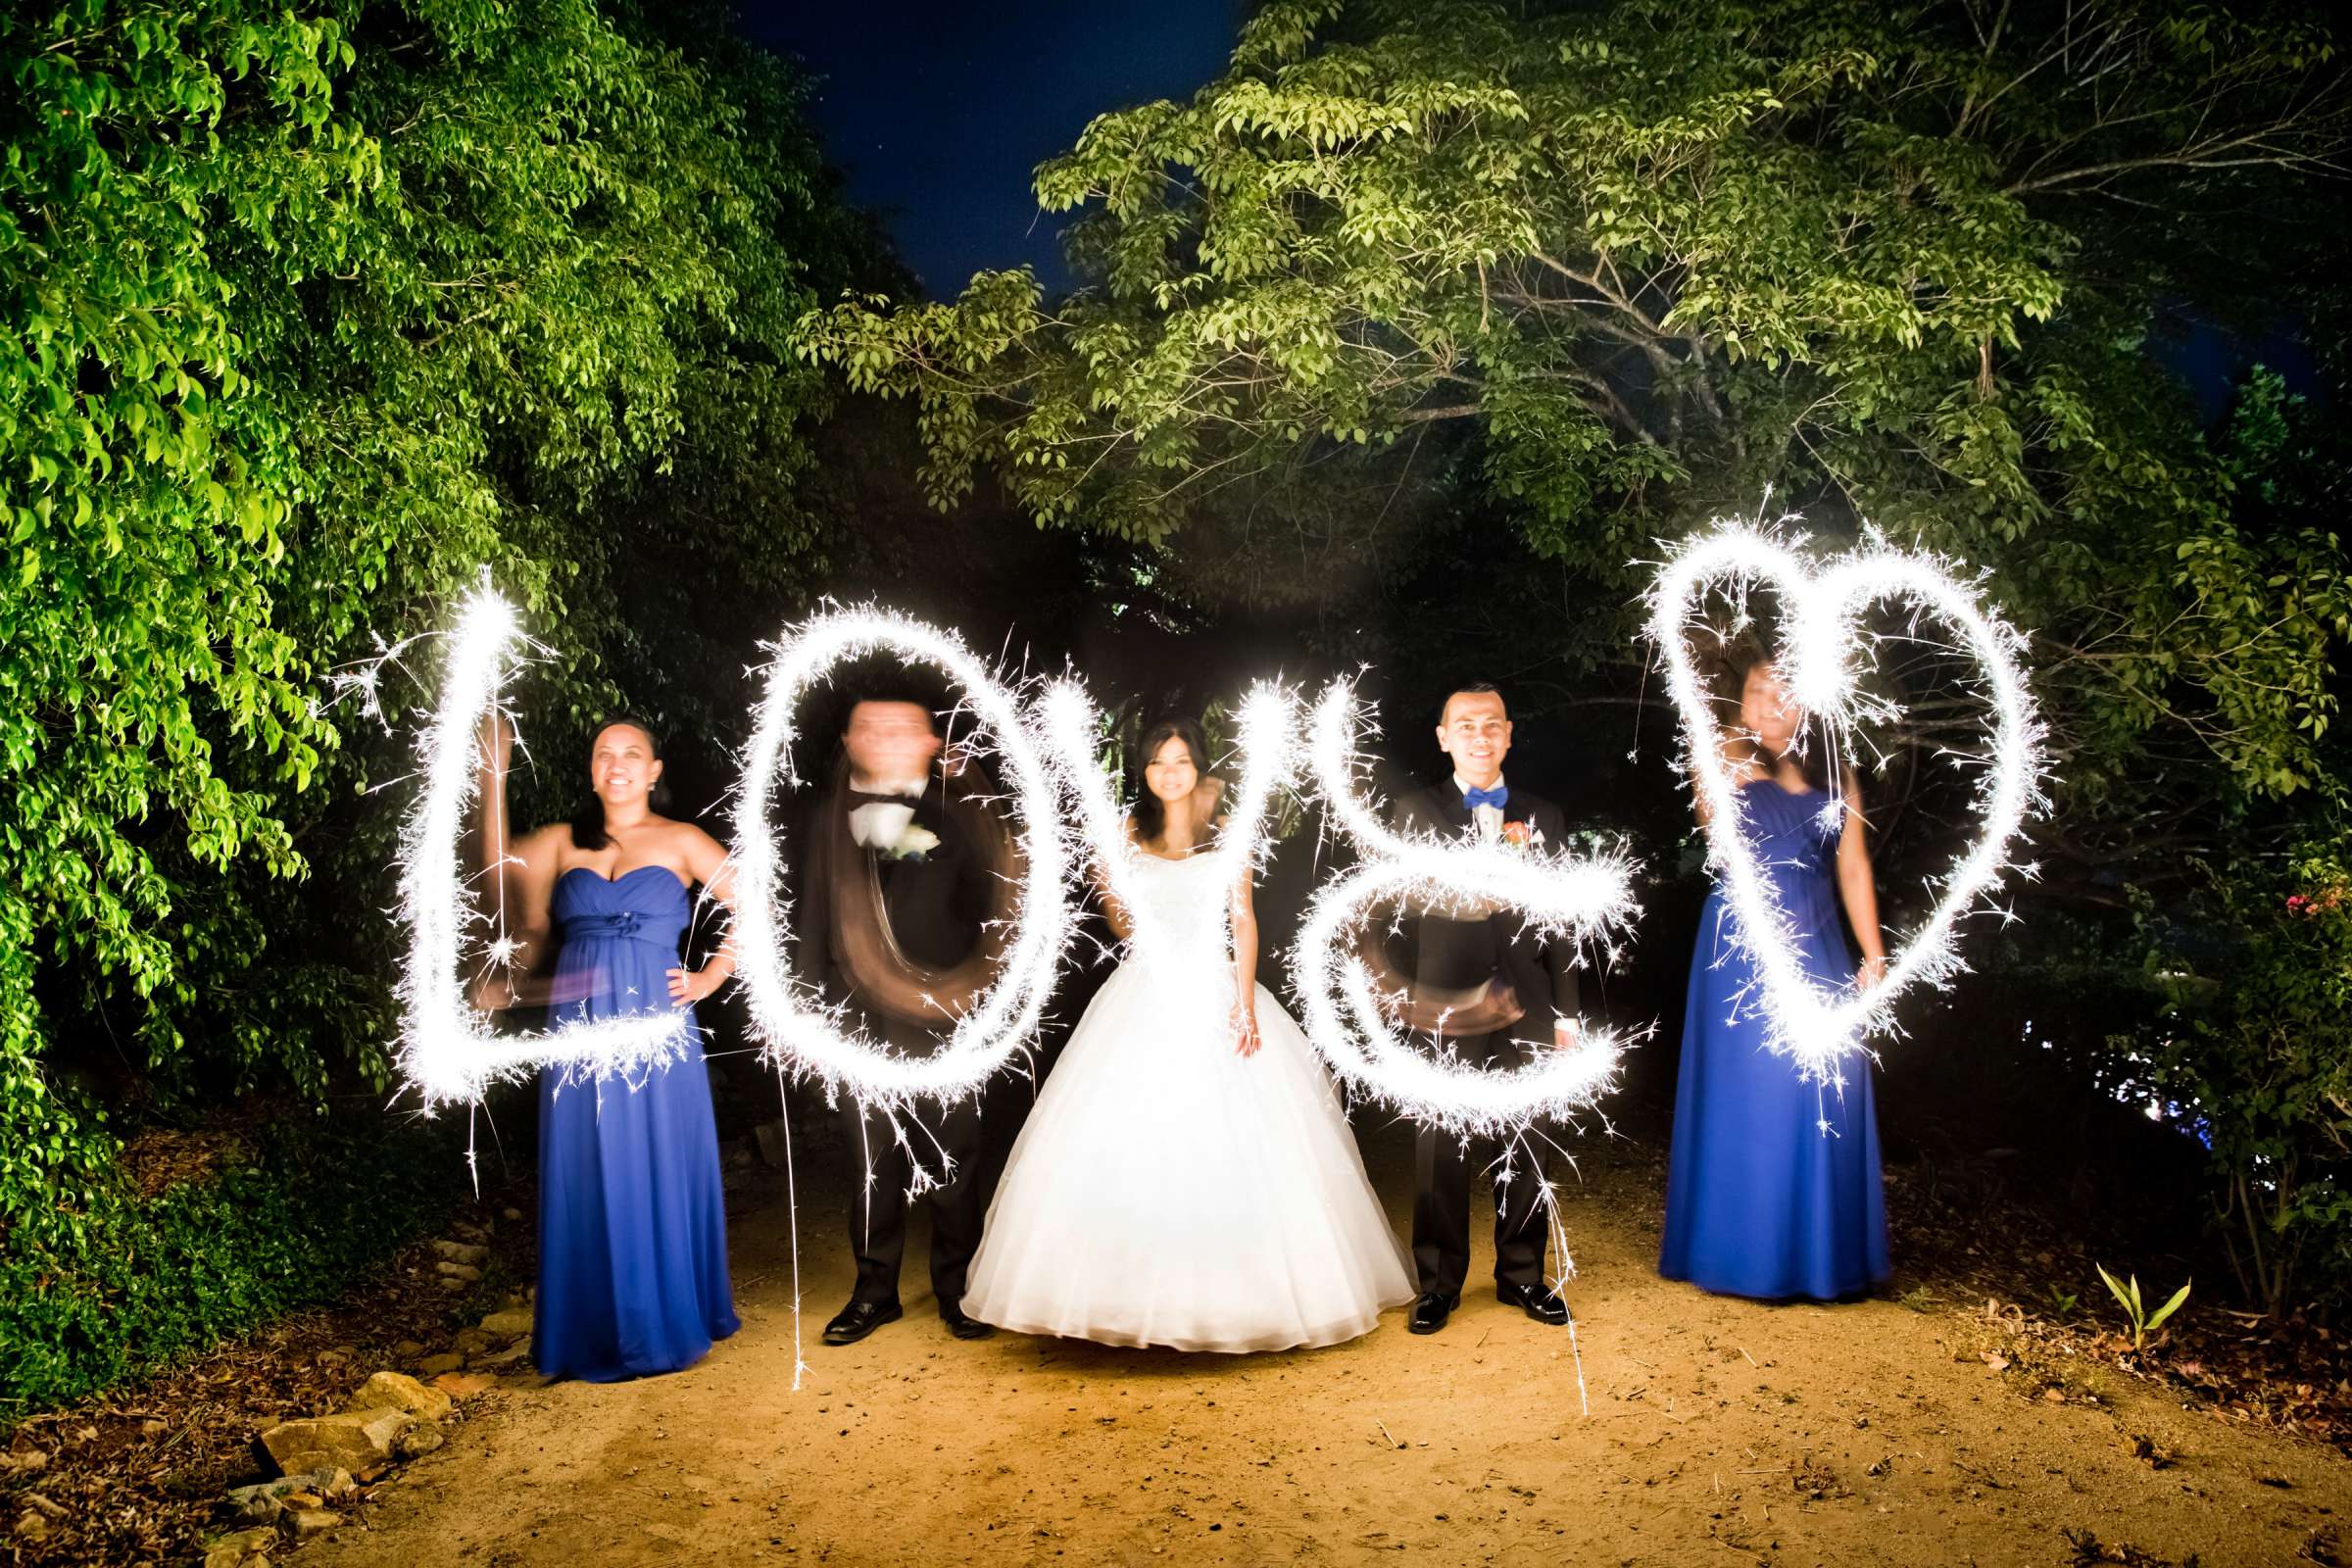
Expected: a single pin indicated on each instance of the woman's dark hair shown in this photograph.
(588, 823)
(1743, 658)
(1151, 813)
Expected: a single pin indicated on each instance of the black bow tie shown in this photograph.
(859, 798)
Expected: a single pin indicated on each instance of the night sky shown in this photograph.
(939, 113)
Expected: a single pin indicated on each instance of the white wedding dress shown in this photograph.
(1167, 1190)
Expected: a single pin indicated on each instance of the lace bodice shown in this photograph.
(1181, 908)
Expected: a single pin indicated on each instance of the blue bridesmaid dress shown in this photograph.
(1773, 1187)
(632, 1222)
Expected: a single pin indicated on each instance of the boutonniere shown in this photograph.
(1522, 835)
(914, 843)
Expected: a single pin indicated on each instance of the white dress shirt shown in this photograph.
(879, 824)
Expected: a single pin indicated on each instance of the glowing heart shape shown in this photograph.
(1822, 606)
(1345, 1015)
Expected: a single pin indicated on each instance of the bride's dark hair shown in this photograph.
(1151, 813)
(588, 823)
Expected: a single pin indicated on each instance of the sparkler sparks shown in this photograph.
(1584, 895)
(1047, 752)
(444, 1051)
(1817, 1028)
(800, 1037)
(1066, 723)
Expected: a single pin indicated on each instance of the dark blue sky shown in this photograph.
(940, 112)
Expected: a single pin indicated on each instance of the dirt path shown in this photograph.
(1718, 1432)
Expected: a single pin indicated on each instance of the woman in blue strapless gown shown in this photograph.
(632, 1222)
(1773, 1187)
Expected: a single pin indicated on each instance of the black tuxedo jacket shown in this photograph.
(936, 906)
(1455, 954)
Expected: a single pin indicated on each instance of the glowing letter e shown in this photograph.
(1346, 1017)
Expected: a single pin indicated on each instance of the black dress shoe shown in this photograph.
(856, 1320)
(1535, 1300)
(1431, 1311)
(962, 1325)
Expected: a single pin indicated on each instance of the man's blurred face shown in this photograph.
(891, 743)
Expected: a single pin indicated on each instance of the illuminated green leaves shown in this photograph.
(319, 311)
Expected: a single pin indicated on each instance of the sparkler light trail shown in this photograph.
(444, 1051)
(1067, 723)
(1814, 1027)
(800, 1037)
(1349, 1021)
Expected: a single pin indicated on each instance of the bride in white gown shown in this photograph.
(1187, 1177)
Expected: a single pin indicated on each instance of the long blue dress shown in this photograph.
(1762, 1199)
(632, 1223)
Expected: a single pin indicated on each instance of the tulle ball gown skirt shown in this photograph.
(1167, 1190)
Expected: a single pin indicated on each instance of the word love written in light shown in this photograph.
(1047, 751)
(1821, 634)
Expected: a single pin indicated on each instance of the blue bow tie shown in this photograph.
(1498, 797)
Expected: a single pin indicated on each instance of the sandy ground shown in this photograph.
(1718, 1431)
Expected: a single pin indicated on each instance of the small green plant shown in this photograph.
(2143, 1322)
(2062, 1302)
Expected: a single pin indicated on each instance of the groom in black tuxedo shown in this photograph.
(1486, 957)
(894, 895)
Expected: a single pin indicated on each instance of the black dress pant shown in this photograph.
(1442, 1195)
(883, 1169)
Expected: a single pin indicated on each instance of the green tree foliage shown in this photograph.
(1583, 276)
(1647, 259)
(317, 310)
(298, 1212)
(2252, 1043)
(2255, 1051)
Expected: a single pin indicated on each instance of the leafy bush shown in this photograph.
(318, 309)
(143, 1283)
(2255, 1055)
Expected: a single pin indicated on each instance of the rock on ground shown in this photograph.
(509, 1324)
(351, 1439)
(397, 1390)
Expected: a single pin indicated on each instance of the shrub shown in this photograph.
(2255, 1055)
(146, 1281)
